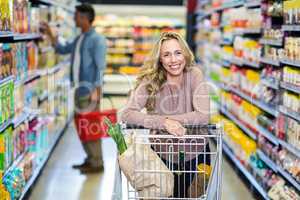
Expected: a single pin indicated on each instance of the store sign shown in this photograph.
(136, 2)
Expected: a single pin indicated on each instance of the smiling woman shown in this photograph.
(172, 59)
(173, 91)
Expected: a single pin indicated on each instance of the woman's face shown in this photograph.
(172, 58)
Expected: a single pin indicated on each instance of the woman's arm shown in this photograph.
(132, 114)
(201, 101)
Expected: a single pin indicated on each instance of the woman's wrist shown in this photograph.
(165, 122)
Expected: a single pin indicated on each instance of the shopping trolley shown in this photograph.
(195, 167)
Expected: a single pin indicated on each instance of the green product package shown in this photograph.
(10, 145)
(2, 151)
(1, 105)
(5, 108)
(11, 97)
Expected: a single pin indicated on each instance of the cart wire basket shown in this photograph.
(194, 165)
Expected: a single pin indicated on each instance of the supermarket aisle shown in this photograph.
(59, 180)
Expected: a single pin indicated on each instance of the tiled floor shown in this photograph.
(59, 181)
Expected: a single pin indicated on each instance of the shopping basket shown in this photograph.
(197, 169)
(90, 125)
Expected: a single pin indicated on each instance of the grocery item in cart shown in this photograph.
(140, 157)
(135, 157)
(200, 181)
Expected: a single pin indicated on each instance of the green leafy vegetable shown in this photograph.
(114, 130)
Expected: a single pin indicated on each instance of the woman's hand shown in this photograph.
(174, 127)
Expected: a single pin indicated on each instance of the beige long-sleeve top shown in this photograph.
(188, 104)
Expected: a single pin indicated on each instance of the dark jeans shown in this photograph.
(183, 181)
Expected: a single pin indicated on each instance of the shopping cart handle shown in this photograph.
(201, 126)
(187, 126)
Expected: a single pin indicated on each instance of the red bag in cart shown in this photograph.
(90, 126)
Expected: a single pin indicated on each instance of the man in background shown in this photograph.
(88, 52)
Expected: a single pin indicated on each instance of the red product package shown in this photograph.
(90, 126)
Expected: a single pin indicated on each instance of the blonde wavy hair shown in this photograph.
(154, 73)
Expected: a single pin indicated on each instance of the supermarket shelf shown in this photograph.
(14, 164)
(219, 85)
(223, 24)
(204, 2)
(238, 32)
(119, 78)
(270, 61)
(38, 170)
(58, 66)
(290, 113)
(268, 135)
(225, 42)
(247, 31)
(112, 84)
(252, 31)
(270, 83)
(202, 14)
(43, 97)
(33, 115)
(121, 51)
(290, 87)
(237, 61)
(117, 37)
(229, 5)
(7, 79)
(291, 27)
(225, 63)
(20, 119)
(253, 4)
(55, 69)
(271, 42)
(6, 34)
(236, 121)
(26, 36)
(267, 160)
(54, 3)
(251, 64)
(222, 63)
(4, 125)
(263, 106)
(288, 177)
(35, 74)
(277, 168)
(290, 148)
(223, 86)
(32, 77)
(290, 62)
(247, 174)
(42, 72)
